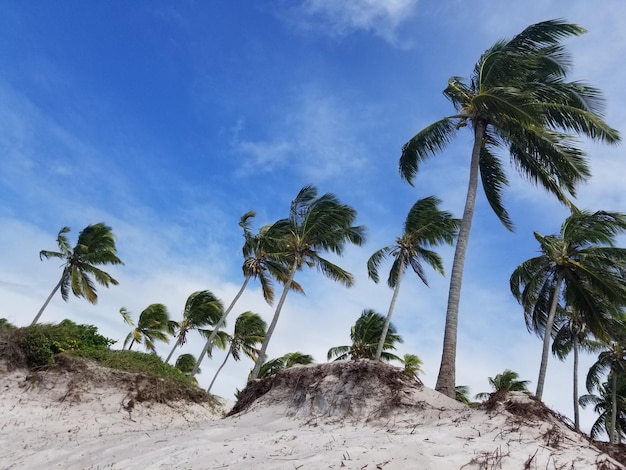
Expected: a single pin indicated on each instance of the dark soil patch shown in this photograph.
(616, 451)
(337, 389)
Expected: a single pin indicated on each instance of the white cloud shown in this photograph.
(383, 18)
(317, 137)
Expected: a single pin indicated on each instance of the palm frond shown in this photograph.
(429, 141)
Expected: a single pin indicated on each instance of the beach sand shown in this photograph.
(348, 415)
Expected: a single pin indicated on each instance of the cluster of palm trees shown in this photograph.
(518, 104)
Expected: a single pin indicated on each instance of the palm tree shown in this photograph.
(507, 380)
(248, 333)
(202, 309)
(573, 335)
(581, 261)
(185, 363)
(284, 362)
(258, 264)
(425, 226)
(365, 334)
(462, 394)
(315, 225)
(412, 364)
(516, 101)
(611, 362)
(154, 324)
(603, 405)
(95, 247)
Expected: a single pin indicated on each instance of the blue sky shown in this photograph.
(169, 120)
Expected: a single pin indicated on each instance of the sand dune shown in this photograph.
(349, 415)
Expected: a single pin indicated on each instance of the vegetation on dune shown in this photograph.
(39, 346)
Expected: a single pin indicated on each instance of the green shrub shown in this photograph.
(36, 346)
(40, 343)
(138, 362)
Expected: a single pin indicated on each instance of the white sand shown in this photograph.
(90, 429)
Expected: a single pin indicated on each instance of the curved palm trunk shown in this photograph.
(208, 390)
(131, 344)
(383, 335)
(547, 336)
(447, 370)
(217, 328)
(575, 385)
(268, 335)
(613, 430)
(45, 304)
(169, 356)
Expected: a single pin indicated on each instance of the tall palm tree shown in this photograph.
(257, 264)
(202, 309)
(603, 405)
(507, 380)
(518, 102)
(248, 333)
(315, 225)
(95, 247)
(581, 261)
(425, 226)
(154, 324)
(573, 335)
(365, 334)
(611, 363)
(284, 362)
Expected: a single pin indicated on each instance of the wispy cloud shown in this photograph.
(382, 18)
(318, 137)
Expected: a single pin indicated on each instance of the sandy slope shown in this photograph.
(343, 416)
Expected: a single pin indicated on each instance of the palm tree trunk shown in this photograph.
(208, 390)
(575, 385)
(268, 335)
(169, 356)
(383, 335)
(547, 335)
(131, 344)
(45, 304)
(447, 370)
(219, 325)
(613, 430)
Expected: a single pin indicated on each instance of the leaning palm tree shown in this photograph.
(258, 264)
(202, 309)
(507, 380)
(365, 334)
(315, 225)
(95, 247)
(154, 324)
(581, 261)
(573, 335)
(248, 333)
(284, 362)
(612, 363)
(517, 103)
(425, 226)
